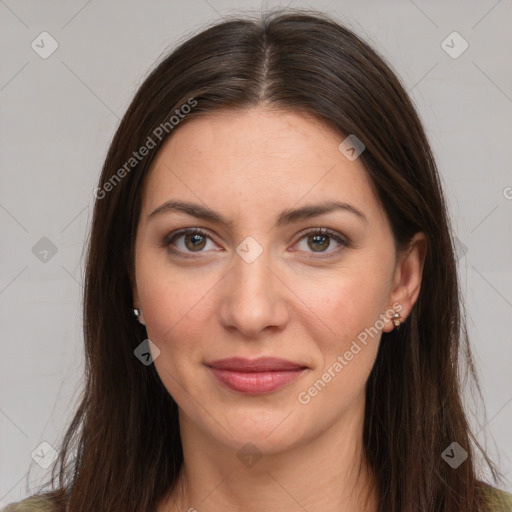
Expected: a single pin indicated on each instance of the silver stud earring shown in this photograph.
(138, 315)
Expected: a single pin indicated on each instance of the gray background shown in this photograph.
(59, 114)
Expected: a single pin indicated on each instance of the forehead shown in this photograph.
(253, 159)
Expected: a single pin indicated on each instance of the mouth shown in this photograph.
(255, 376)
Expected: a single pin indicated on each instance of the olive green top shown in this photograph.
(497, 501)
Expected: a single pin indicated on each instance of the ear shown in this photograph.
(407, 277)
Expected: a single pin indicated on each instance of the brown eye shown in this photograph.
(195, 241)
(320, 240)
(188, 241)
(318, 243)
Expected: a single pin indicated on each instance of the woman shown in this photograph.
(272, 314)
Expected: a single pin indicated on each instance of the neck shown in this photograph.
(328, 473)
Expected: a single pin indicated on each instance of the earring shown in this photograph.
(138, 315)
(396, 320)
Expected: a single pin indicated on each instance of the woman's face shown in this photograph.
(261, 280)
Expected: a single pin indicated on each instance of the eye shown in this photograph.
(188, 241)
(320, 239)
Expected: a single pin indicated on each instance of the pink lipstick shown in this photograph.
(255, 376)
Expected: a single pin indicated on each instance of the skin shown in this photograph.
(295, 301)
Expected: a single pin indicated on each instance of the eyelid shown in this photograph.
(338, 237)
(324, 231)
(335, 235)
(171, 237)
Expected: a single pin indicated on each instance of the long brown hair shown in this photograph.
(122, 450)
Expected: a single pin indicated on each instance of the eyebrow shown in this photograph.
(286, 217)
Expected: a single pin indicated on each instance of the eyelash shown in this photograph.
(344, 242)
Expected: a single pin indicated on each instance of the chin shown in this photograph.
(270, 431)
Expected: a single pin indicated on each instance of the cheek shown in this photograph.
(175, 322)
(175, 302)
(350, 308)
(348, 302)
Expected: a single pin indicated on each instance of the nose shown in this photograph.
(253, 298)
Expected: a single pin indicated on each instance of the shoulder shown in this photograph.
(496, 500)
(32, 504)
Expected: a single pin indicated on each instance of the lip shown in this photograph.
(255, 376)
